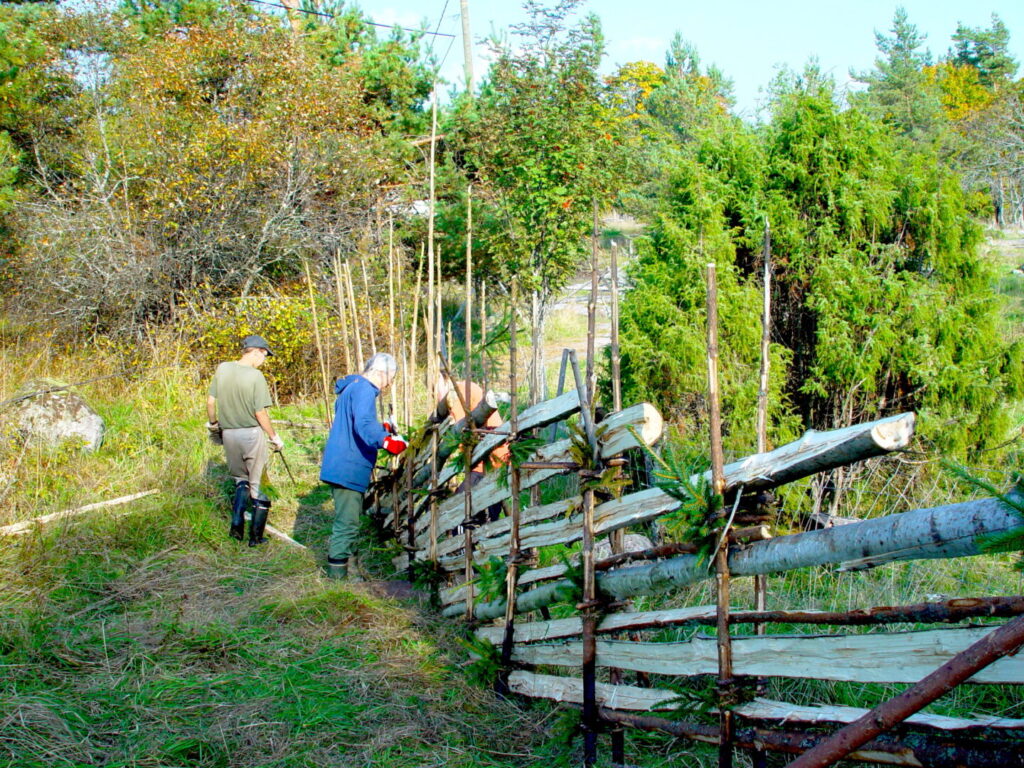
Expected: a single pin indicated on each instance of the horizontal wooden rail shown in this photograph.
(634, 698)
(895, 657)
(957, 609)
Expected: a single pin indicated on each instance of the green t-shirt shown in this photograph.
(240, 390)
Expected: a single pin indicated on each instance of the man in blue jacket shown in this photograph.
(351, 453)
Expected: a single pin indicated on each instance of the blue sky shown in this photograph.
(747, 40)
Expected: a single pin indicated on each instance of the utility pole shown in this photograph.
(467, 46)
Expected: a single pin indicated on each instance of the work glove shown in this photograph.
(389, 427)
(277, 443)
(395, 444)
(213, 430)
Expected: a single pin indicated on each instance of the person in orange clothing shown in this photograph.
(499, 456)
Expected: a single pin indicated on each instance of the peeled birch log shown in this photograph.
(17, 529)
(765, 709)
(633, 698)
(948, 531)
(894, 657)
(614, 435)
(570, 689)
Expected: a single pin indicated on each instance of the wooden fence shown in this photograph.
(436, 524)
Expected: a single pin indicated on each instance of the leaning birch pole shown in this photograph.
(319, 345)
(1001, 642)
(725, 676)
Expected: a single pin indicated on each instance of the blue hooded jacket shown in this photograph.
(355, 437)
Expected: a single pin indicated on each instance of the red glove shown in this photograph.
(389, 427)
(395, 444)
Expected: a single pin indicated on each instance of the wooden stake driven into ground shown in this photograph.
(726, 684)
(512, 574)
(339, 291)
(470, 440)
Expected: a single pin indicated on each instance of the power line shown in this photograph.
(365, 21)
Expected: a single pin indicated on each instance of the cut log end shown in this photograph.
(893, 434)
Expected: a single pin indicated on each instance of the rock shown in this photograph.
(57, 416)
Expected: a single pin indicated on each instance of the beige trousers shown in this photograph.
(247, 456)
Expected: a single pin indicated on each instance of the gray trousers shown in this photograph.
(247, 456)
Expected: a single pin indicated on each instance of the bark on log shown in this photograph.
(949, 531)
(898, 657)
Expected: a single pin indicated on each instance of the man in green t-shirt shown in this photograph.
(239, 392)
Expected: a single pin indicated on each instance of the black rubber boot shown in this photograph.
(337, 569)
(258, 524)
(238, 508)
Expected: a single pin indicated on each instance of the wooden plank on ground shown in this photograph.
(17, 529)
(898, 657)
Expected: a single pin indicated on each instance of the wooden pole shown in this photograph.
(467, 46)
(433, 495)
(469, 441)
(592, 315)
(414, 338)
(360, 360)
(484, 378)
(431, 349)
(391, 308)
(1005, 640)
(590, 603)
(340, 291)
(725, 675)
(616, 362)
(369, 307)
(512, 577)
(319, 345)
(761, 580)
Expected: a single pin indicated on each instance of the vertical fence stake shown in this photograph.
(319, 345)
(616, 363)
(339, 290)
(761, 580)
(470, 434)
(725, 677)
(589, 605)
(360, 360)
(512, 574)
(433, 495)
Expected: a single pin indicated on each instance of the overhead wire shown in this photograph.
(325, 15)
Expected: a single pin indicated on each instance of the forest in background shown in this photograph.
(173, 167)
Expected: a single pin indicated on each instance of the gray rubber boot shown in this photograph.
(238, 507)
(258, 524)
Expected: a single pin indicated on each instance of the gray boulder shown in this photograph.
(57, 416)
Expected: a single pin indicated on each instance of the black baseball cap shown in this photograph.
(256, 341)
